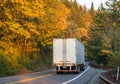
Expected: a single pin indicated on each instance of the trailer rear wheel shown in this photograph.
(82, 67)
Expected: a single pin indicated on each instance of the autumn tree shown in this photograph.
(53, 22)
(27, 27)
(79, 21)
(18, 25)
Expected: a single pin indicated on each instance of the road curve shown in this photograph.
(89, 76)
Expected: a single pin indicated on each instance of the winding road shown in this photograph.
(89, 76)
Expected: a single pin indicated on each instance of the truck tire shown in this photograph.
(78, 69)
(58, 72)
(82, 67)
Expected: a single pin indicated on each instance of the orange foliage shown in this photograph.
(82, 32)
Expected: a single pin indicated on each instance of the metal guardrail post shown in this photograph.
(101, 66)
(117, 73)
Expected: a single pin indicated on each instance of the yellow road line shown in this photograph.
(29, 79)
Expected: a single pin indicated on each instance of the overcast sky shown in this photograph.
(88, 3)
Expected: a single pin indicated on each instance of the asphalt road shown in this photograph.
(89, 76)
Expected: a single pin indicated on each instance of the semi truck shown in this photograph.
(68, 55)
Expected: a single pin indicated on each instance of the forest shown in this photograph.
(28, 27)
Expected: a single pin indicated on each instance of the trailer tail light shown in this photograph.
(54, 64)
(73, 64)
(57, 64)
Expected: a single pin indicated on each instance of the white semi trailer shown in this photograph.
(68, 55)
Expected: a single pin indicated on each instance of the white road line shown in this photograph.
(76, 77)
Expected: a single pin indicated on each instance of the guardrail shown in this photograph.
(105, 80)
(111, 74)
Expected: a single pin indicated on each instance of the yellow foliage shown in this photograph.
(37, 8)
(18, 29)
(82, 32)
(87, 20)
(106, 52)
(17, 1)
(7, 14)
(10, 51)
(1, 23)
(2, 2)
(31, 9)
(61, 14)
(53, 22)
